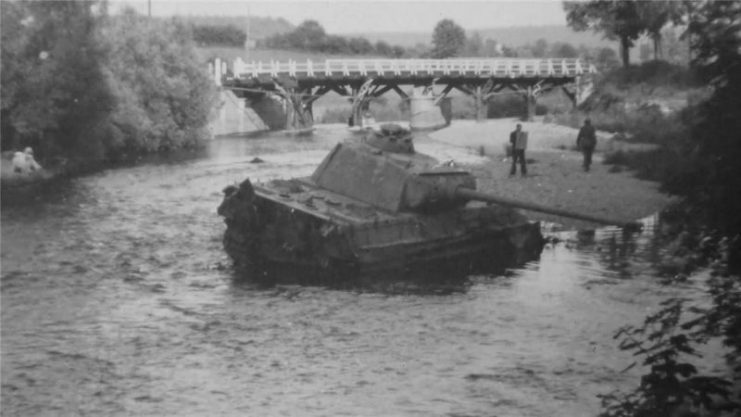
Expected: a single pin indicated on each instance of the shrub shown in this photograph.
(163, 94)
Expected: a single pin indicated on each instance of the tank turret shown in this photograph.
(384, 170)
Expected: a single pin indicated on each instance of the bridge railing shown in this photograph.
(484, 67)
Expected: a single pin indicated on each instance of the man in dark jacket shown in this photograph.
(518, 139)
(586, 141)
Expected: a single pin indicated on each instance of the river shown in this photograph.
(118, 300)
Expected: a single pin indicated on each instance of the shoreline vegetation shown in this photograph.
(86, 90)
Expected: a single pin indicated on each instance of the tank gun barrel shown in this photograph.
(479, 196)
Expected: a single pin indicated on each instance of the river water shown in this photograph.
(118, 299)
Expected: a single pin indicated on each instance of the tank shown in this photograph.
(373, 204)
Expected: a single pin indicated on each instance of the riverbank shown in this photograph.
(555, 177)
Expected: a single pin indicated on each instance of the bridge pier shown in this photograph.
(425, 111)
(579, 90)
(530, 104)
(297, 105)
(361, 97)
(481, 103)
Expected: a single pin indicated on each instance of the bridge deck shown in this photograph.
(479, 68)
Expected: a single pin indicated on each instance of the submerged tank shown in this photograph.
(372, 204)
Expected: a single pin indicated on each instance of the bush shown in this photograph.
(651, 73)
(102, 87)
(163, 94)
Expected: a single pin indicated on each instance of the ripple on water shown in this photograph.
(126, 308)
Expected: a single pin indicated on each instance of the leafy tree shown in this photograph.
(335, 45)
(540, 49)
(716, 44)
(398, 51)
(655, 15)
(509, 52)
(309, 35)
(491, 48)
(474, 45)
(359, 46)
(607, 59)
(617, 20)
(54, 93)
(675, 49)
(564, 50)
(448, 39)
(383, 48)
(163, 94)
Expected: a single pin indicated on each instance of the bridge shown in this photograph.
(299, 84)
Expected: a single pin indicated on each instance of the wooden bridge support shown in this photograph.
(481, 95)
(530, 104)
(361, 97)
(579, 90)
(298, 104)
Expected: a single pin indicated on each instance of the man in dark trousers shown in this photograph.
(586, 141)
(518, 139)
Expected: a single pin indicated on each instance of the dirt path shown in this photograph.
(555, 177)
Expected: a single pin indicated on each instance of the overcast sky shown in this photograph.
(347, 16)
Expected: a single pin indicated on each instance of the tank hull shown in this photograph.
(296, 223)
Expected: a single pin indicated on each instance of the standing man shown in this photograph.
(518, 139)
(586, 141)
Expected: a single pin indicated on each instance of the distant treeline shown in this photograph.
(311, 36)
(259, 27)
(212, 35)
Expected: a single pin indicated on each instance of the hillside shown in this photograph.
(510, 36)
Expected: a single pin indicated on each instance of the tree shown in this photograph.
(607, 59)
(655, 15)
(618, 20)
(509, 52)
(309, 35)
(564, 50)
(448, 39)
(164, 97)
(54, 93)
(474, 45)
(540, 49)
(335, 45)
(492, 48)
(383, 48)
(360, 46)
(675, 50)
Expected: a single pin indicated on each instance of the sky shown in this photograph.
(349, 16)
